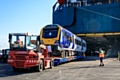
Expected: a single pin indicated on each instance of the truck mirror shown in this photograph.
(38, 38)
(9, 40)
(10, 37)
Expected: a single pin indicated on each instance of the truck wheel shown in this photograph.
(51, 64)
(40, 67)
(15, 69)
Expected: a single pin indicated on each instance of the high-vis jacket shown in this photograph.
(101, 54)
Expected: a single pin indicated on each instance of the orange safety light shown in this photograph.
(61, 1)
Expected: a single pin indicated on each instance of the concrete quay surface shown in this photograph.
(86, 69)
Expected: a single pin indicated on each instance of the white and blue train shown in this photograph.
(62, 38)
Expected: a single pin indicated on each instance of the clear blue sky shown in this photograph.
(21, 16)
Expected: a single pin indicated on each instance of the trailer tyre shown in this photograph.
(40, 67)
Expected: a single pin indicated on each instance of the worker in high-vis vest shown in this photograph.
(20, 43)
(101, 56)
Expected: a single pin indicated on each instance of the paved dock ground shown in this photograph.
(87, 69)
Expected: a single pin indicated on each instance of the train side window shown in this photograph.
(69, 38)
(76, 41)
(72, 37)
(84, 45)
(80, 42)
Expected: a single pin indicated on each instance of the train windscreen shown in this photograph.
(50, 33)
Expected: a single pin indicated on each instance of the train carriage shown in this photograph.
(62, 39)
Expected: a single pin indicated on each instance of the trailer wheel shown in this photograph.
(40, 67)
(51, 64)
(15, 69)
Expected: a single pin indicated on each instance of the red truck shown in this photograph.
(24, 53)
